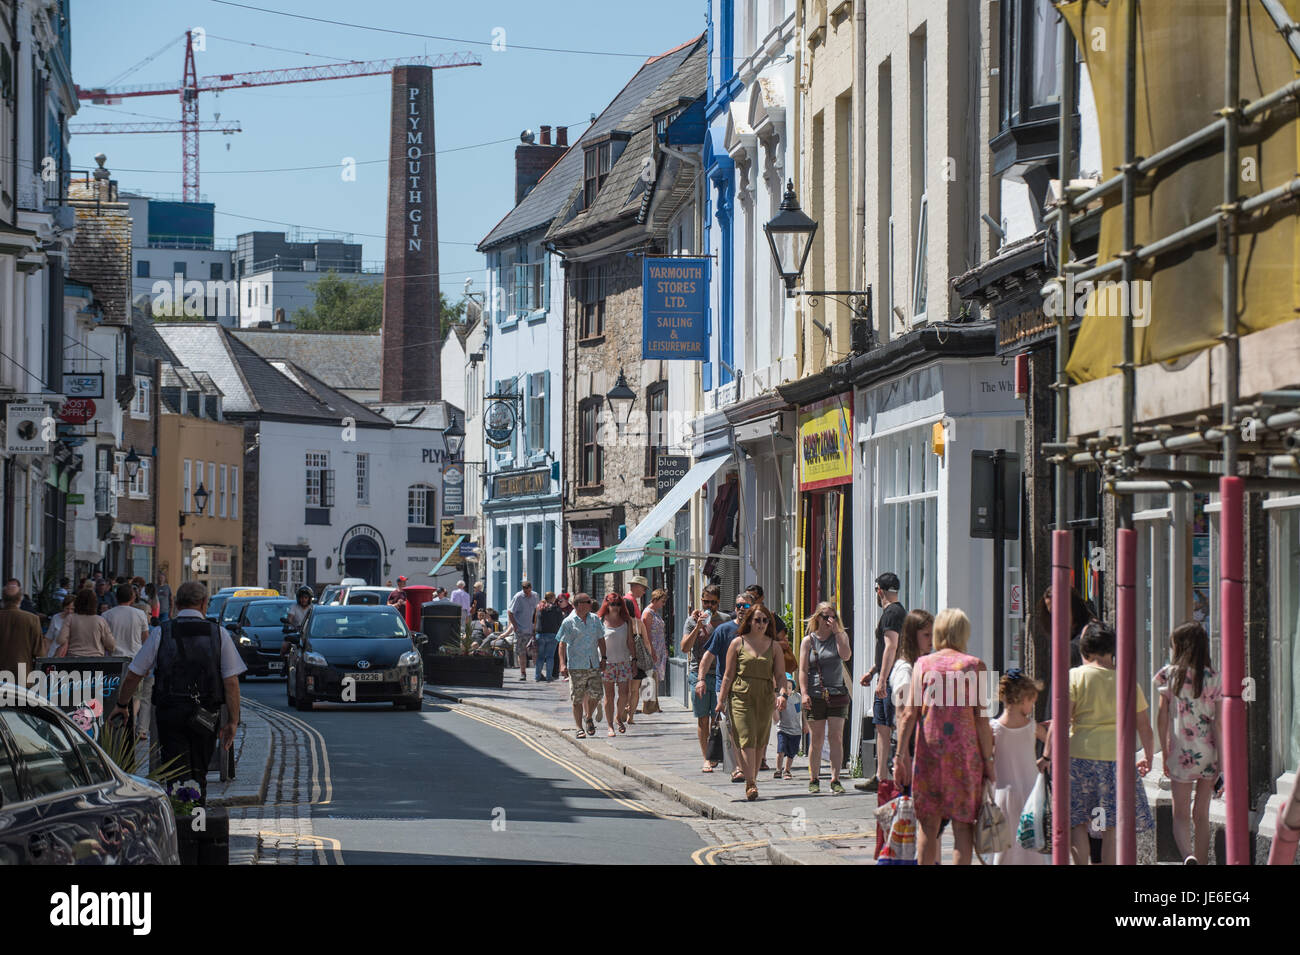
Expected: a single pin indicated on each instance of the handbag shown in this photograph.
(644, 658)
(992, 833)
(713, 749)
(729, 761)
(898, 819)
(1034, 830)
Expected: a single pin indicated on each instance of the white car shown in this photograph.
(337, 594)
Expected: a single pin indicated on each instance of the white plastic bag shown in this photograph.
(1035, 828)
(729, 762)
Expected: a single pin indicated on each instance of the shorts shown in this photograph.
(585, 684)
(882, 711)
(704, 705)
(639, 674)
(787, 745)
(1092, 788)
(820, 710)
(619, 672)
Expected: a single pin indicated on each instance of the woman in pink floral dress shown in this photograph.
(954, 744)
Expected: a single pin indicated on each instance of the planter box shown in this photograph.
(442, 669)
(209, 846)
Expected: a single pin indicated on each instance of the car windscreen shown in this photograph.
(366, 598)
(267, 613)
(324, 625)
(215, 605)
(230, 612)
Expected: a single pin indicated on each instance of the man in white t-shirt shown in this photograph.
(130, 627)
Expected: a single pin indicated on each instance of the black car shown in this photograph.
(259, 632)
(64, 802)
(356, 654)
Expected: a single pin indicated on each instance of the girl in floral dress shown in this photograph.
(954, 744)
(1188, 722)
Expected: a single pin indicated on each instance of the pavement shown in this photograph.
(661, 752)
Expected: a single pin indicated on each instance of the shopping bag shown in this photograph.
(898, 818)
(1035, 827)
(650, 694)
(729, 761)
(992, 832)
(885, 793)
(714, 753)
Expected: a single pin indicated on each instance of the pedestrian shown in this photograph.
(151, 597)
(85, 633)
(397, 598)
(24, 602)
(1016, 764)
(478, 599)
(62, 590)
(130, 626)
(57, 623)
(164, 596)
(751, 688)
(1092, 747)
(619, 659)
(1189, 726)
(1080, 617)
(196, 671)
(704, 698)
(523, 607)
(782, 632)
(565, 603)
(653, 620)
(549, 616)
(954, 745)
(714, 659)
(643, 656)
(141, 602)
(636, 591)
(103, 600)
(825, 694)
(581, 638)
(882, 705)
(789, 732)
(461, 598)
(20, 633)
(915, 641)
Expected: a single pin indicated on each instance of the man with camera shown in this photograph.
(695, 638)
(196, 671)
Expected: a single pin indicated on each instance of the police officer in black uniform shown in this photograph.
(197, 671)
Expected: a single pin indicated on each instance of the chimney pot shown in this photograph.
(546, 135)
(561, 135)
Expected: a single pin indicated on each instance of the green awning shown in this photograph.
(652, 558)
(597, 558)
(447, 554)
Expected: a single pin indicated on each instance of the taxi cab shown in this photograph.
(218, 600)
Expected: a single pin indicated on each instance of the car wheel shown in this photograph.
(303, 703)
(413, 705)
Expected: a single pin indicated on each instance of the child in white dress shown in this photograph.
(1014, 763)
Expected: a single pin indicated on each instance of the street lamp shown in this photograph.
(620, 399)
(132, 463)
(201, 498)
(454, 436)
(789, 234)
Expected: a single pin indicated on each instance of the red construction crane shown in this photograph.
(192, 85)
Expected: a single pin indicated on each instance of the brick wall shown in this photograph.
(101, 255)
(249, 555)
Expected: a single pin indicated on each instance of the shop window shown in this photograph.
(656, 401)
(907, 515)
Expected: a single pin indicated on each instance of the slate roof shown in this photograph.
(253, 386)
(554, 191)
(145, 333)
(621, 195)
(344, 360)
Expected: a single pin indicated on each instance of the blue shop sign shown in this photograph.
(674, 308)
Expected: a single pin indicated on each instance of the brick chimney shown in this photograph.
(562, 136)
(532, 161)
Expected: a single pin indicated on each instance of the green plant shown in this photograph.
(48, 581)
(787, 614)
(856, 771)
(118, 741)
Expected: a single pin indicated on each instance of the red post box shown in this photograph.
(417, 595)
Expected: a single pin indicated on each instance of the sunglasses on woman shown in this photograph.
(758, 620)
(827, 616)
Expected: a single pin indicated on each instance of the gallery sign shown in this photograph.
(25, 430)
(825, 448)
(674, 308)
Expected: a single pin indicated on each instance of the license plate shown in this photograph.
(275, 665)
(367, 677)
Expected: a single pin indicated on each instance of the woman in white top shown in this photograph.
(56, 624)
(914, 642)
(617, 658)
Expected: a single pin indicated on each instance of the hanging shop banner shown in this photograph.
(674, 308)
(83, 384)
(142, 535)
(25, 431)
(825, 448)
(453, 490)
(669, 469)
(499, 423)
(521, 483)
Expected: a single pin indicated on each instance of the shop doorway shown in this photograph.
(361, 559)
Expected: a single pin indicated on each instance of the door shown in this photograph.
(362, 560)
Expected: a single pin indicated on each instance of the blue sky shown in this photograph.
(320, 124)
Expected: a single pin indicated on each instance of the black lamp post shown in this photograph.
(201, 498)
(620, 399)
(789, 234)
(454, 437)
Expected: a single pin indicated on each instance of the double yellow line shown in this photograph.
(578, 771)
(709, 854)
(319, 843)
(322, 781)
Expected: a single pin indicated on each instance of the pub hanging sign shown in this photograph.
(499, 424)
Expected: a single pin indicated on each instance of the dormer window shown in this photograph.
(598, 162)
